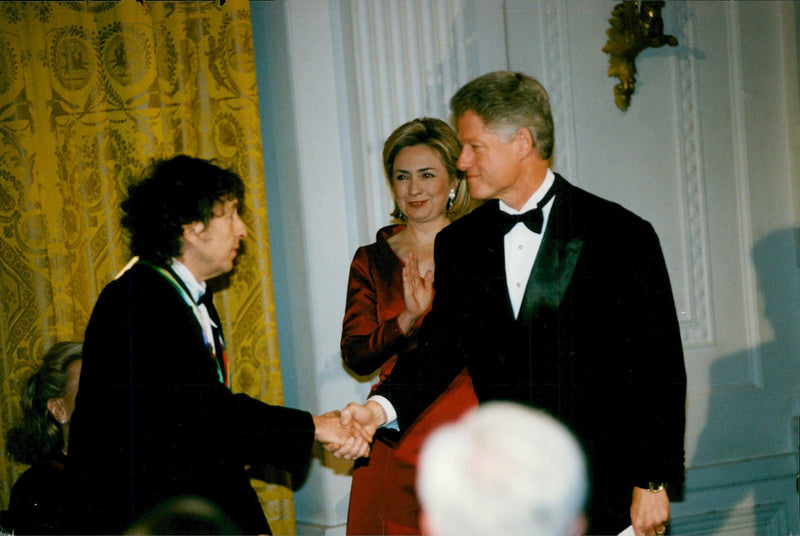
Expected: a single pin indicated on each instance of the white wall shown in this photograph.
(310, 202)
(707, 151)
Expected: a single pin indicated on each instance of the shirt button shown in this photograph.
(519, 247)
(519, 285)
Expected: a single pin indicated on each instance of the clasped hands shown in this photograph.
(348, 433)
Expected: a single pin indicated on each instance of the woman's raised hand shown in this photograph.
(417, 293)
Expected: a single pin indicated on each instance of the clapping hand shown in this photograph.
(417, 293)
(346, 440)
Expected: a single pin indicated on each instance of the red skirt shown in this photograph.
(382, 497)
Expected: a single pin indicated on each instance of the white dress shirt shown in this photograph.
(521, 245)
(196, 290)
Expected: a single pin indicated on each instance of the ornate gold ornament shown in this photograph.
(633, 29)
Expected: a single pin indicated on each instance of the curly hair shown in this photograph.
(174, 192)
(440, 137)
(38, 434)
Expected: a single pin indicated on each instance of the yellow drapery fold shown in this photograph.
(90, 92)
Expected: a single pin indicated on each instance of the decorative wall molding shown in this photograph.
(736, 497)
(696, 327)
(558, 81)
(727, 473)
(765, 519)
(750, 311)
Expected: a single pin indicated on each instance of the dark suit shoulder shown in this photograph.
(473, 224)
(141, 286)
(477, 218)
(139, 275)
(137, 308)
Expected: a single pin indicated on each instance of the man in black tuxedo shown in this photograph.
(568, 309)
(155, 418)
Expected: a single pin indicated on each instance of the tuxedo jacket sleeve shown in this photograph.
(597, 341)
(152, 419)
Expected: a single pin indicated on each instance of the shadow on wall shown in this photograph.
(754, 401)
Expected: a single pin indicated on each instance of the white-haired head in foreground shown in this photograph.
(503, 469)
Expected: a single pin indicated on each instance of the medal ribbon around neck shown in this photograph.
(224, 377)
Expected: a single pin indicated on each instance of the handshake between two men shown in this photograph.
(348, 433)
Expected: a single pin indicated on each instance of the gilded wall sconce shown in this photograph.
(633, 29)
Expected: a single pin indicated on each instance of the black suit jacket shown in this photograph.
(596, 344)
(152, 420)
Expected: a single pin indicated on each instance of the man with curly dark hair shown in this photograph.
(155, 417)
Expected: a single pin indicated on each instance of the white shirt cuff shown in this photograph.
(388, 408)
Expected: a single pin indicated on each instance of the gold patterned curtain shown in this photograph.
(90, 92)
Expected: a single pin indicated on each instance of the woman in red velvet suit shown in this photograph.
(380, 319)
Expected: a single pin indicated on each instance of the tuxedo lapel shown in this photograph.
(219, 341)
(217, 344)
(494, 272)
(556, 260)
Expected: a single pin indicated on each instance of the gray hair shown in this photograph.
(503, 469)
(506, 102)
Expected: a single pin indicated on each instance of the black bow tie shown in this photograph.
(206, 299)
(533, 219)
